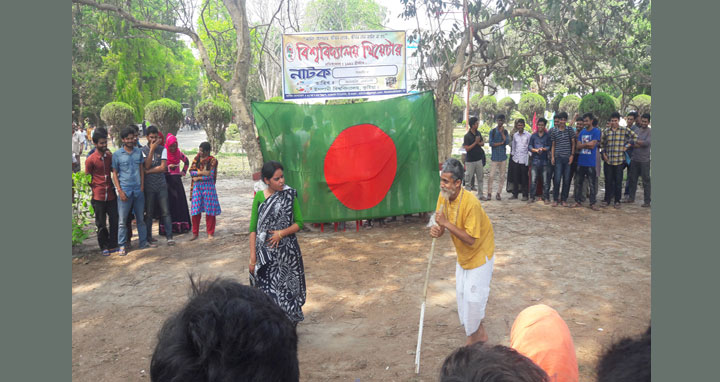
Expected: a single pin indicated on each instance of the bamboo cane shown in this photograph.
(422, 308)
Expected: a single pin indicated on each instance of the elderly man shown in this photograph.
(460, 212)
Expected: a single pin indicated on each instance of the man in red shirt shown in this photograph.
(104, 201)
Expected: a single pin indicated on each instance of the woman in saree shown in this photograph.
(179, 214)
(204, 195)
(276, 265)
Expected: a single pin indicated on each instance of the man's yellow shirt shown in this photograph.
(471, 218)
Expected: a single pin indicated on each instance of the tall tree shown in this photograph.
(344, 15)
(583, 35)
(234, 82)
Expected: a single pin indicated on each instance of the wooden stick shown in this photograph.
(422, 308)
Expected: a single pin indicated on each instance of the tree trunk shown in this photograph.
(445, 123)
(247, 131)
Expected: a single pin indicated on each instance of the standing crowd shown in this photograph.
(556, 156)
(144, 183)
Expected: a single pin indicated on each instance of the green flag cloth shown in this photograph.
(355, 161)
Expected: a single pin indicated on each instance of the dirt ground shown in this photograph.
(364, 289)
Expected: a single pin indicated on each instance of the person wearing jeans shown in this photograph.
(156, 192)
(539, 146)
(519, 160)
(129, 179)
(587, 145)
(615, 140)
(104, 203)
(640, 164)
(498, 139)
(562, 152)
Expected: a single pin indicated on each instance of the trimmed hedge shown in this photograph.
(214, 116)
(555, 104)
(600, 104)
(570, 104)
(116, 116)
(641, 104)
(531, 103)
(166, 114)
(506, 106)
(488, 107)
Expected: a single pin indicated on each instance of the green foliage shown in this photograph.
(488, 107)
(475, 105)
(344, 101)
(506, 106)
(276, 99)
(600, 104)
(82, 211)
(514, 116)
(166, 114)
(641, 104)
(111, 60)
(555, 104)
(531, 103)
(344, 15)
(232, 133)
(570, 104)
(214, 115)
(116, 116)
(458, 108)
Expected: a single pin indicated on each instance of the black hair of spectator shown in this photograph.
(226, 332)
(127, 131)
(519, 120)
(97, 135)
(627, 360)
(152, 129)
(562, 115)
(633, 114)
(472, 121)
(646, 115)
(269, 168)
(205, 147)
(579, 119)
(499, 117)
(588, 115)
(615, 114)
(543, 121)
(483, 363)
(595, 122)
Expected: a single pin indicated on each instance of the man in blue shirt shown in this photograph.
(498, 139)
(129, 178)
(539, 147)
(587, 143)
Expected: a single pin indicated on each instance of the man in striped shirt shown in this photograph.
(615, 141)
(562, 152)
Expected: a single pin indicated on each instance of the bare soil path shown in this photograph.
(365, 289)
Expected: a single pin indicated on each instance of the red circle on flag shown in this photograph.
(360, 166)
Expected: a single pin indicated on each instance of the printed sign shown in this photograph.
(343, 64)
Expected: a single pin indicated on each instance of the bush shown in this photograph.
(166, 114)
(116, 116)
(475, 105)
(82, 211)
(641, 104)
(488, 107)
(569, 104)
(506, 106)
(214, 116)
(531, 103)
(514, 116)
(555, 104)
(232, 133)
(276, 99)
(345, 101)
(458, 109)
(600, 104)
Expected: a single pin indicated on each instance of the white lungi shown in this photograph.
(473, 288)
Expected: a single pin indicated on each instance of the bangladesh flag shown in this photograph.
(355, 161)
